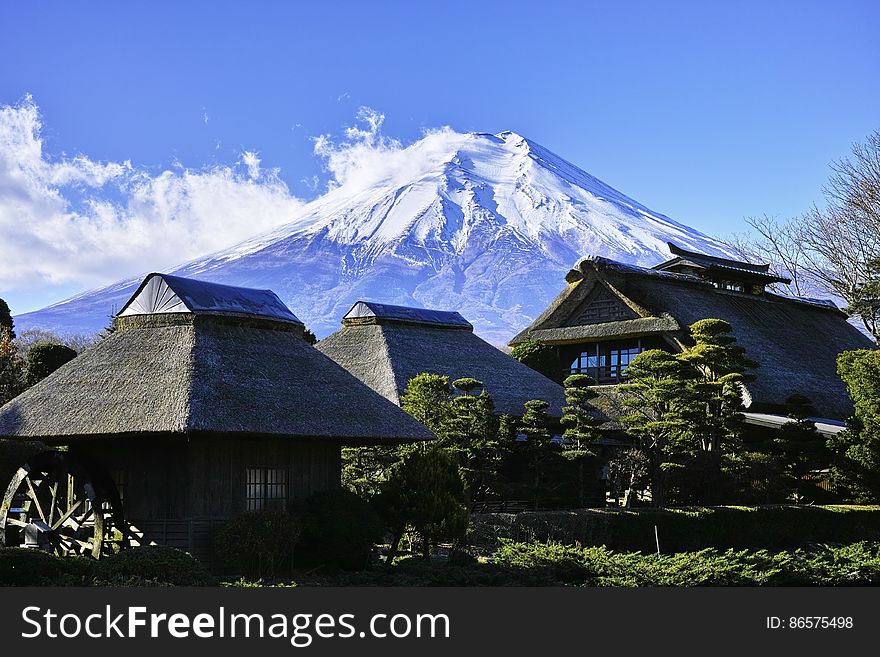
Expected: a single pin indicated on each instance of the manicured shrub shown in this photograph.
(151, 565)
(258, 543)
(28, 567)
(684, 529)
(339, 531)
(856, 564)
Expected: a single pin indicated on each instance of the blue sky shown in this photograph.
(707, 112)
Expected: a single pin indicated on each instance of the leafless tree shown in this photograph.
(776, 241)
(833, 248)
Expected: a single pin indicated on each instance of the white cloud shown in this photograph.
(76, 221)
(366, 157)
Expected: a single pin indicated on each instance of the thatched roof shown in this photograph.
(205, 372)
(796, 341)
(386, 350)
(163, 294)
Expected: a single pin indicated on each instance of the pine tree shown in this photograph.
(656, 393)
(6, 320)
(428, 398)
(799, 447)
(538, 444)
(580, 423)
(857, 449)
(11, 367)
(578, 416)
(866, 299)
(424, 493)
(712, 409)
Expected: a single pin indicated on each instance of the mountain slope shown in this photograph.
(483, 224)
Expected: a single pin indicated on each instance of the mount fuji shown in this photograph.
(484, 224)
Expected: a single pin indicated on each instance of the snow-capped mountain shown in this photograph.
(479, 223)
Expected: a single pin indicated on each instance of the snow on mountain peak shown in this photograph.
(486, 224)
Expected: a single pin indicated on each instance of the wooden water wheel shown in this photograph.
(56, 503)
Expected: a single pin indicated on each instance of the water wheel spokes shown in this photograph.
(55, 503)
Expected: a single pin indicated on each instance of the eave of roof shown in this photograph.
(621, 329)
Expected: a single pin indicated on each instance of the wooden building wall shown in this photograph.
(179, 492)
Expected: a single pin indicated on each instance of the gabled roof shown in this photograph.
(386, 355)
(190, 373)
(163, 293)
(736, 268)
(370, 312)
(796, 341)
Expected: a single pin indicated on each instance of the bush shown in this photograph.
(258, 543)
(46, 357)
(339, 531)
(684, 529)
(541, 358)
(151, 565)
(29, 567)
(857, 564)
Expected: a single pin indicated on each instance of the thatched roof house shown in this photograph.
(191, 357)
(609, 311)
(385, 346)
(205, 402)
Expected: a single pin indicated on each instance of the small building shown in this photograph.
(205, 402)
(609, 312)
(385, 346)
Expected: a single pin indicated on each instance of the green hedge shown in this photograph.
(141, 566)
(339, 531)
(25, 567)
(152, 565)
(685, 529)
(857, 564)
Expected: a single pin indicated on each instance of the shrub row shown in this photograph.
(685, 529)
(856, 564)
(332, 530)
(141, 566)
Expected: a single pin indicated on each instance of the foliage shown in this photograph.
(864, 301)
(137, 566)
(44, 358)
(475, 434)
(258, 543)
(790, 454)
(580, 433)
(540, 357)
(427, 398)
(720, 365)
(156, 565)
(6, 320)
(79, 342)
(655, 392)
(684, 529)
(579, 415)
(857, 449)
(629, 471)
(309, 336)
(365, 468)
(464, 422)
(553, 564)
(539, 448)
(28, 567)
(339, 531)
(424, 493)
(835, 247)
(11, 367)
(686, 412)
(858, 563)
